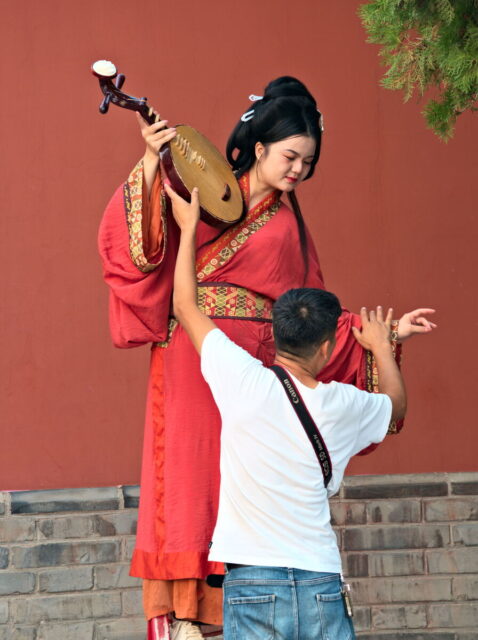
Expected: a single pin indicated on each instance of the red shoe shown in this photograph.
(158, 628)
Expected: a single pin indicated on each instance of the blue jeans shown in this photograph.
(276, 603)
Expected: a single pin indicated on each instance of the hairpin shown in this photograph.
(248, 115)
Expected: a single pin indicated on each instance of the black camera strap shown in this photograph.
(307, 422)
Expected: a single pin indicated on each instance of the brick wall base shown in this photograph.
(64, 561)
(410, 551)
(409, 545)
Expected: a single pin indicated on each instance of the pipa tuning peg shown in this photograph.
(104, 106)
(119, 82)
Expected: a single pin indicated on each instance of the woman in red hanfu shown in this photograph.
(273, 148)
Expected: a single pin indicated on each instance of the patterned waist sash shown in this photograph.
(224, 300)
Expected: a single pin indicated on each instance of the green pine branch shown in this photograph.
(428, 44)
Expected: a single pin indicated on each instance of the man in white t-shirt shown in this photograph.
(273, 529)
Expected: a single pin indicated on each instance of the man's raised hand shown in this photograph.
(185, 213)
(375, 337)
(375, 332)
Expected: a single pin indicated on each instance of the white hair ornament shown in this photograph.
(248, 115)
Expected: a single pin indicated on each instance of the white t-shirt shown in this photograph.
(273, 506)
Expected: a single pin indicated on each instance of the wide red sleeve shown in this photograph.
(138, 242)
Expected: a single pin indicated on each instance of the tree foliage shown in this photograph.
(428, 44)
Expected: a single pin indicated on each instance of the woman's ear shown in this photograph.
(259, 149)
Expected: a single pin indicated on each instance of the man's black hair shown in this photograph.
(303, 319)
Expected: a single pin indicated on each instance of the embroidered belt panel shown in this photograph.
(219, 300)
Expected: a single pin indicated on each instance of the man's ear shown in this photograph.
(326, 348)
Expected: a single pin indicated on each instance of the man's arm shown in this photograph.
(375, 336)
(194, 322)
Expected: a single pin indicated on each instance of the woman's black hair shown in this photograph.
(286, 109)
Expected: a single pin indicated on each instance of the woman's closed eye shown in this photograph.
(308, 162)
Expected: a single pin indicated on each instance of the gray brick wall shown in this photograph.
(410, 551)
(64, 561)
(409, 545)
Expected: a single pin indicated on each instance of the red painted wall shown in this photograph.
(391, 208)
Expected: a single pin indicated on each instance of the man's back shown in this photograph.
(273, 504)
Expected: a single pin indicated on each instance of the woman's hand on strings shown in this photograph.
(155, 135)
(413, 323)
(185, 213)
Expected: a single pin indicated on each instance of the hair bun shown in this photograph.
(288, 87)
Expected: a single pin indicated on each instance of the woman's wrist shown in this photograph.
(150, 167)
(150, 156)
(189, 229)
(394, 337)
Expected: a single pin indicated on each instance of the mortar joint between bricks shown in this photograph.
(36, 589)
(8, 503)
(448, 481)
(38, 537)
(119, 490)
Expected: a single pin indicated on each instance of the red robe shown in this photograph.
(180, 473)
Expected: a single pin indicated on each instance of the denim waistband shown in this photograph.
(278, 574)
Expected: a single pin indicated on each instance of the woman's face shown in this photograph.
(283, 165)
